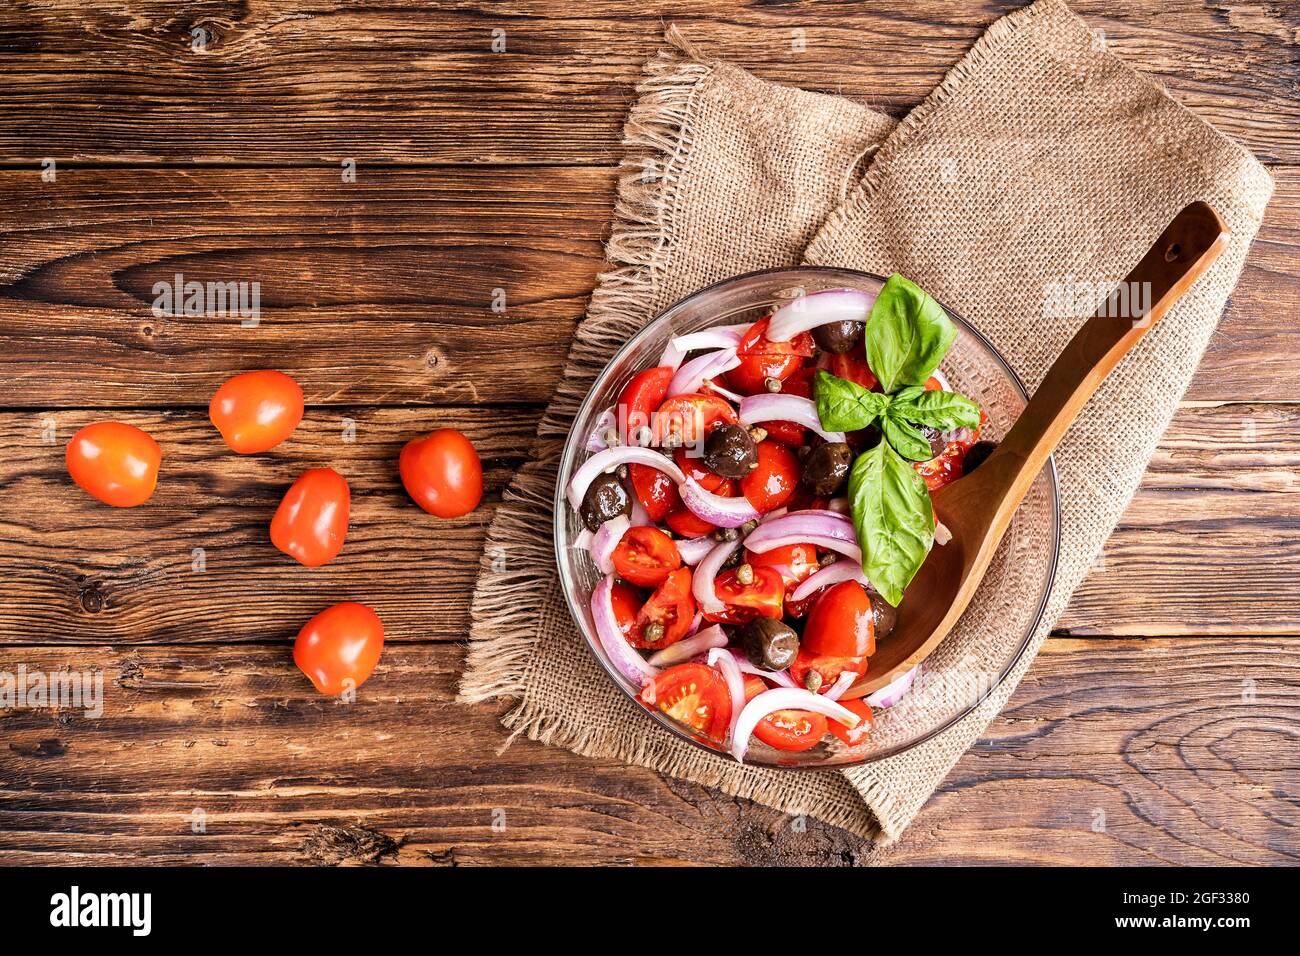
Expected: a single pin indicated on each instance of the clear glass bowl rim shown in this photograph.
(561, 501)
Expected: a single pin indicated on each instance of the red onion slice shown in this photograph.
(942, 380)
(819, 308)
(844, 570)
(583, 540)
(705, 572)
(892, 693)
(690, 377)
(842, 684)
(715, 509)
(724, 661)
(688, 647)
(748, 667)
(606, 540)
(784, 698)
(718, 337)
(785, 408)
(826, 529)
(621, 654)
(611, 458)
(606, 421)
(713, 386)
(942, 533)
(639, 517)
(693, 550)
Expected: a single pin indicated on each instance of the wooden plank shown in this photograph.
(1112, 752)
(1216, 518)
(400, 82)
(382, 291)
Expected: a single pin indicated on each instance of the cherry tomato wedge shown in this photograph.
(255, 411)
(841, 623)
(442, 473)
(771, 484)
(693, 466)
(640, 397)
(684, 522)
(853, 366)
(854, 735)
(671, 606)
(690, 417)
(761, 359)
(339, 647)
(829, 667)
(312, 519)
(693, 695)
(646, 556)
(794, 562)
(114, 462)
(656, 491)
(744, 602)
(627, 601)
(789, 730)
(949, 464)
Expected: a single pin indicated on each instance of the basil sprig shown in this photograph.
(907, 335)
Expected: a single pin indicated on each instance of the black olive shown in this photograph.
(730, 452)
(605, 499)
(883, 616)
(978, 454)
(838, 337)
(827, 468)
(769, 644)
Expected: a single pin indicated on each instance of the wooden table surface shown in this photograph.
(1159, 724)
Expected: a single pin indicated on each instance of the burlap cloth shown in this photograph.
(1041, 160)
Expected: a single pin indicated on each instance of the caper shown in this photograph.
(745, 575)
(772, 384)
(827, 559)
(606, 498)
(730, 452)
(757, 434)
(812, 681)
(611, 436)
(838, 337)
(769, 644)
(826, 468)
(726, 534)
(654, 632)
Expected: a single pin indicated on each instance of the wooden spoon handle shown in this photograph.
(1184, 251)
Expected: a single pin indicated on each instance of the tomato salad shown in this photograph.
(757, 502)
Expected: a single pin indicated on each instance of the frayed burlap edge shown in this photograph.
(507, 602)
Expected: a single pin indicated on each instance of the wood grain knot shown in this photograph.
(91, 597)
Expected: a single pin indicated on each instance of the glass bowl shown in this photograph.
(995, 630)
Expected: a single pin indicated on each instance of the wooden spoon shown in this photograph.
(978, 508)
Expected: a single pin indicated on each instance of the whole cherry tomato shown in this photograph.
(771, 484)
(255, 411)
(312, 519)
(841, 623)
(646, 556)
(442, 472)
(339, 647)
(114, 462)
(761, 359)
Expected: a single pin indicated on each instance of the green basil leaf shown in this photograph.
(905, 437)
(893, 517)
(907, 334)
(940, 410)
(845, 406)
